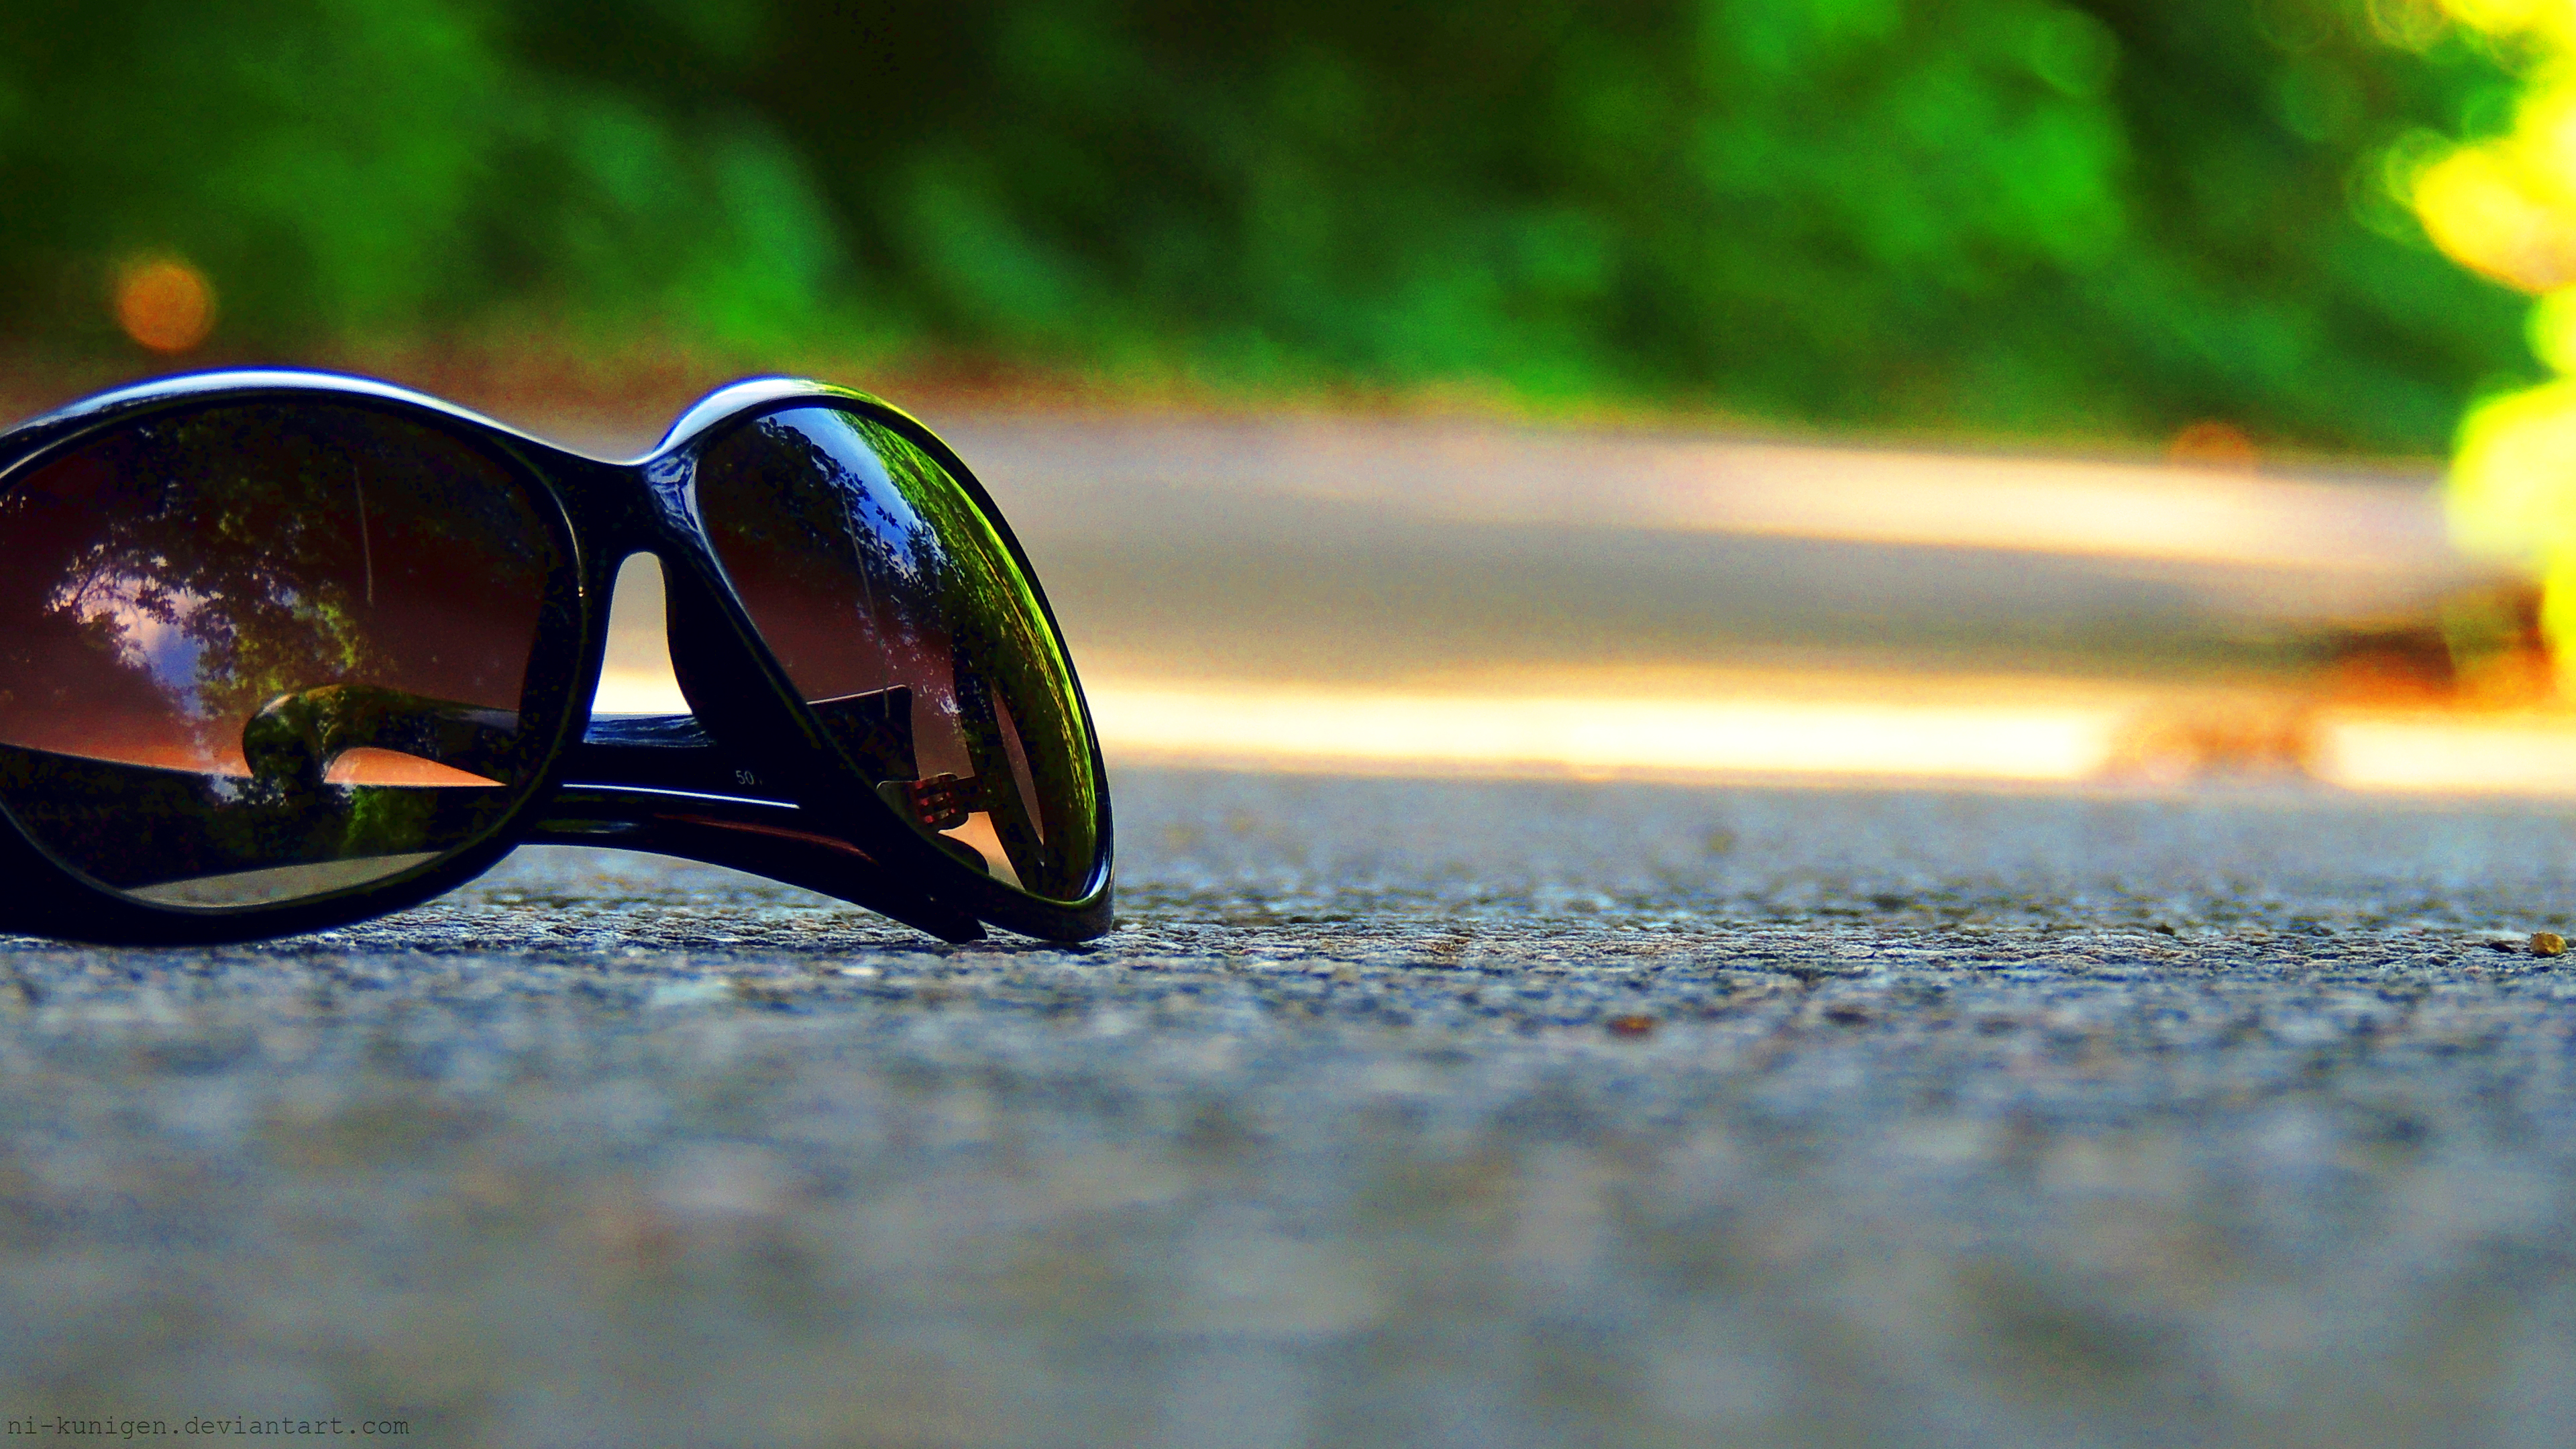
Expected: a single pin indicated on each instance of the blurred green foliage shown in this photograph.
(2106, 218)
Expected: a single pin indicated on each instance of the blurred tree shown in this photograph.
(2503, 204)
(343, 168)
(2112, 217)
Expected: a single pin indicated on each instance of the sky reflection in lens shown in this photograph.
(164, 584)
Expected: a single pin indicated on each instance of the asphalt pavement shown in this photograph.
(1395, 1112)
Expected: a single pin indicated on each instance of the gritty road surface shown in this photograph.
(1478, 1113)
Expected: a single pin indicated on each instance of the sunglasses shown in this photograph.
(285, 650)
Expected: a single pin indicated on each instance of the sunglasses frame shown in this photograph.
(747, 784)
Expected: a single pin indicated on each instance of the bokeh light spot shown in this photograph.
(165, 304)
(2211, 443)
(2491, 212)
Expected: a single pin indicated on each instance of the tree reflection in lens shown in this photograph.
(896, 608)
(164, 584)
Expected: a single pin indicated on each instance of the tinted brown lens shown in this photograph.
(900, 614)
(257, 652)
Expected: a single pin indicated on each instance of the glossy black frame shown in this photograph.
(752, 781)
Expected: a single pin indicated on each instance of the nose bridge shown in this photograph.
(619, 509)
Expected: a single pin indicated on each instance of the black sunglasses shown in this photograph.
(282, 650)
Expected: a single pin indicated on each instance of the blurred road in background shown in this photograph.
(1341, 550)
(1363, 593)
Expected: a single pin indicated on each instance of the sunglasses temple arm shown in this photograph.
(659, 784)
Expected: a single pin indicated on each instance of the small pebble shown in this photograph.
(2548, 943)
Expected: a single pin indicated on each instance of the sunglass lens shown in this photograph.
(254, 653)
(901, 615)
